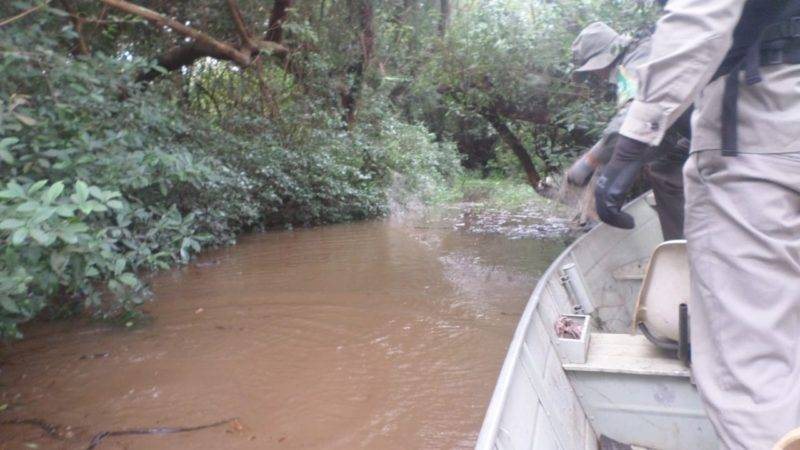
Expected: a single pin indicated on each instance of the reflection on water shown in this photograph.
(370, 335)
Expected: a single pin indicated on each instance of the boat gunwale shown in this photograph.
(494, 412)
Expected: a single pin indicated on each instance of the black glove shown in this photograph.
(616, 180)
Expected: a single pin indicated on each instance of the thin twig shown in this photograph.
(23, 14)
(77, 24)
(238, 20)
(210, 96)
(100, 20)
(47, 82)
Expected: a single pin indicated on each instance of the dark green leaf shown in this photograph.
(19, 236)
(52, 194)
(41, 236)
(43, 214)
(9, 305)
(68, 236)
(6, 156)
(11, 224)
(82, 191)
(65, 210)
(29, 206)
(35, 187)
(129, 279)
(8, 142)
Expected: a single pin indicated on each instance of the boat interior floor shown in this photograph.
(606, 443)
(634, 392)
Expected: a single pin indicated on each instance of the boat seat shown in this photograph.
(664, 288)
(791, 441)
(628, 354)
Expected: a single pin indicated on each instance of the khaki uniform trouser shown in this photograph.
(666, 178)
(743, 232)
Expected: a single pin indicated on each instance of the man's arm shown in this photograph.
(690, 42)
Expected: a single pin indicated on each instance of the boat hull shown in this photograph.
(542, 401)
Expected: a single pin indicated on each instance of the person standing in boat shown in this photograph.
(738, 61)
(604, 56)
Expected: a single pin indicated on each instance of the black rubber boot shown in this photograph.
(616, 180)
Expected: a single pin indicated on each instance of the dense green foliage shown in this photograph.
(97, 189)
(111, 165)
(512, 58)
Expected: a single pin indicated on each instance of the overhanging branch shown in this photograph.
(178, 57)
(223, 49)
(202, 44)
(241, 27)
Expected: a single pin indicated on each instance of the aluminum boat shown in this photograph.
(608, 385)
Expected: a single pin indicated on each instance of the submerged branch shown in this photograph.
(52, 430)
(99, 437)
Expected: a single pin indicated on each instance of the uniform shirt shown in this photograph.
(691, 41)
(624, 76)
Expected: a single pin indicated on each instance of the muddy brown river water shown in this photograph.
(378, 335)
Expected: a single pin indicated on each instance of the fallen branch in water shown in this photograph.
(54, 431)
(99, 437)
(95, 356)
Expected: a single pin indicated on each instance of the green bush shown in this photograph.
(102, 180)
(58, 246)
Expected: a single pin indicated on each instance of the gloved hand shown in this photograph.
(580, 171)
(616, 180)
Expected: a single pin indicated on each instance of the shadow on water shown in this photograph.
(385, 334)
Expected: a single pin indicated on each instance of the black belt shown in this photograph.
(785, 29)
(783, 50)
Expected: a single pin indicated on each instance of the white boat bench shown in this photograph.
(628, 354)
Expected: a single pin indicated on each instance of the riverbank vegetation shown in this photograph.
(135, 133)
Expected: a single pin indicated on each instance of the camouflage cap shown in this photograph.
(596, 47)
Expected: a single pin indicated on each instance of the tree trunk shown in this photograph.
(367, 30)
(81, 47)
(356, 70)
(276, 20)
(513, 142)
(445, 16)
